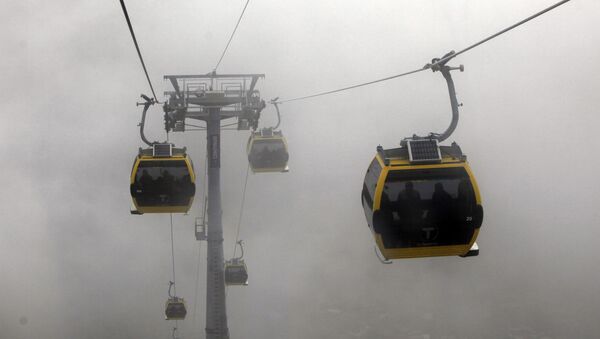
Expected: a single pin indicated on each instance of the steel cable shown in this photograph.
(237, 237)
(231, 37)
(137, 48)
(173, 256)
(437, 62)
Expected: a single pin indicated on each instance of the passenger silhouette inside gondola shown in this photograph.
(442, 206)
(145, 183)
(409, 206)
(386, 203)
(409, 201)
(385, 219)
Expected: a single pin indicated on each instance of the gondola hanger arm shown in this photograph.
(171, 284)
(240, 243)
(148, 102)
(439, 65)
(276, 104)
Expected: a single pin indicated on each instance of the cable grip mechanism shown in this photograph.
(439, 64)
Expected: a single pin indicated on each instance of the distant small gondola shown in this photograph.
(267, 151)
(236, 272)
(175, 309)
(422, 200)
(162, 180)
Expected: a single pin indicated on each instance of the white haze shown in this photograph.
(76, 264)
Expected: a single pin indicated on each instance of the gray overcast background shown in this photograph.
(75, 264)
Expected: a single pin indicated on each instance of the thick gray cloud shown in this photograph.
(75, 264)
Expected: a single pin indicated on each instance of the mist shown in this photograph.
(76, 264)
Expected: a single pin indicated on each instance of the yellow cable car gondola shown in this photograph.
(236, 272)
(162, 180)
(422, 208)
(422, 200)
(175, 308)
(267, 151)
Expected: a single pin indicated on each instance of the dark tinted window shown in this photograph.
(368, 190)
(268, 154)
(236, 274)
(175, 310)
(427, 207)
(371, 179)
(163, 183)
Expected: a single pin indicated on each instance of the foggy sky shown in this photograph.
(76, 264)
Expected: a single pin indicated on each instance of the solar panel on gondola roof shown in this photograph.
(162, 150)
(426, 150)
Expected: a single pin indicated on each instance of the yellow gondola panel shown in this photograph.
(422, 209)
(268, 151)
(162, 182)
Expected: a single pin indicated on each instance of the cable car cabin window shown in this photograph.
(427, 207)
(268, 154)
(371, 179)
(175, 309)
(163, 183)
(368, 192)
(236, 275)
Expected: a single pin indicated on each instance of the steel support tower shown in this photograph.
(213, 98)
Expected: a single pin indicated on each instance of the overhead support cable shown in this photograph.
(436, 63)
(237, 236)
(351, 87)
(137, 47)
(447, 58)
(231, 37)
(173, 257)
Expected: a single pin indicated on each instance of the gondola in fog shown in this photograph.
(422, 209)
(422, 199)
(162, 180)
(267, 151)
